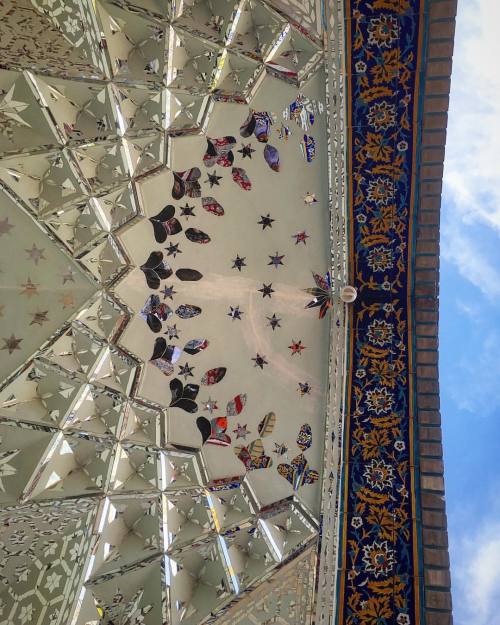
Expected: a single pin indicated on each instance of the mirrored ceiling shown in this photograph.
(166, 311)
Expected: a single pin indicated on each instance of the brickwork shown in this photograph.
(436, 83)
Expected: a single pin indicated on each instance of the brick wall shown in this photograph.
(437, 70)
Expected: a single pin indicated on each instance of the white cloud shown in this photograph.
(476, 575)
(472, 167)
(465, 253)
(472, 162)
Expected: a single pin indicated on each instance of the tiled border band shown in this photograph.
(398, 76)
(437, 63)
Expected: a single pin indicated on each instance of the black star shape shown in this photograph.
(274, 321)
(304, 388)
(213, 178)
(172, 331)
(276, 260)
(187, 211)
(173, 250)
(238, 263)
(186, 371)
(168, 291)
(266, 222)
(266, 290)
(235, 313)
(246, 150)
(260, 361)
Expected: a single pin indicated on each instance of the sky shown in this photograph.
(470, 315)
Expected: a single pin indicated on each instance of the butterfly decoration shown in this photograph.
(187, 311)
(272, 157)
(258, 124)
(212, 206)
(253, 455)
(219, 151)
(297, 472)
(156, 269)
(197, 236)
(165, 356)
(213, 376)
(154, 312)
(213, 431)
(165, 224)
(322, 294)
(183, 396)
(241, 178)
(302, 111)
(186, 183)
(308, 147)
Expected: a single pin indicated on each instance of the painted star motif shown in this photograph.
(296, 347)
(168, 292)
(274, 321)
(173, 250)
(67, 300)
(310, 198)
(187, 211)
(280, 449)
(304, 388)
(29, 288)
(5, 226)
(276, 260)
(35, 254)
(260, 361)
(186, 371)
(11, 343)
(238, 263)
(241, 431)
(39, 317)
(246, 150)
(300, 237)
(210, 405)
(235, 313)
(213, 179)
(172, 331)
(266, 290)
(68, 276)
(266, 221)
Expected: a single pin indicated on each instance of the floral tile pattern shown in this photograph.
(379, 577)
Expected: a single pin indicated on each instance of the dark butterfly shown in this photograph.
(165, 224)
(183, 396)
(154, 312)
(188, 275)
(165, 356)
(155, 269)
(197, 236)
(186, 183)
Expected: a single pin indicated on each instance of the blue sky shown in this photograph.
(470, 315)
